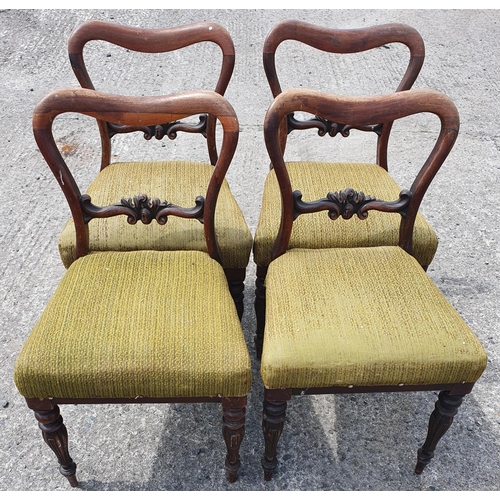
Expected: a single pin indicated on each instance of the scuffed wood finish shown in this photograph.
(233, 431)
(345, 41)
(151, 41)
(133, 111)
(56, 436)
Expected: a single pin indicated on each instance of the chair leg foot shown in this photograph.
(440, 421)
(56, 436)
(272, 427)
(233, 430)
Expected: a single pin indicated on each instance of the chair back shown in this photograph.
(358, 111)
(135, 112)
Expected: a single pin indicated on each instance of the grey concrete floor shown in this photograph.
(355, 442)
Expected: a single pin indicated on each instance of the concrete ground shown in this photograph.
(355, 442)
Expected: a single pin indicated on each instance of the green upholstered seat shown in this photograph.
(178, 182)
(315, 180)
(362, 317)
(141, 323)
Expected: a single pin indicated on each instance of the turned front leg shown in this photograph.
(272, 427)
(440, 421)
(233, 430)
(56, 436)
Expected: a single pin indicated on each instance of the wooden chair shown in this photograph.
(159, 178)
(314, 177)
(143, 326)
(362, 319)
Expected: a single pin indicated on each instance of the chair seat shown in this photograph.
(315, 180)
(362, 317)
(178, 182)
(145, 323)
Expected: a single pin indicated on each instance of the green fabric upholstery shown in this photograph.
(362, 317)
(178, 182)
(141, 323)
(315, 180)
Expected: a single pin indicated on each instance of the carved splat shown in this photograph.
(142, 208)
(161, 130)
(348, 203)
(328, 127)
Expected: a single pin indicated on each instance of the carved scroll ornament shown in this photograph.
(349, 202)
(327, 127)
(160, 131)
(142, 208)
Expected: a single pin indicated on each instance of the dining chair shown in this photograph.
(160, 177)
(142, 326)
(313, 176)
(367, 318)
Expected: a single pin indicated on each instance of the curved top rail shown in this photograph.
(151, 41)
(344, 41)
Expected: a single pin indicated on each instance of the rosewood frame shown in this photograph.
(343, 41)
(135, 111)
(361, 111)
(153, 41)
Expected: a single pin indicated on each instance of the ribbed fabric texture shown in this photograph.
(362, 317)
(315, 180)
(128, 324)
(177, 182)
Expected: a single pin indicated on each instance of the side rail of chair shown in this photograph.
(343, 41)
(153, 41)
(135, 111)
(360, 111)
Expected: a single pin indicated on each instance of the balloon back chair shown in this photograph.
(314, 177)
(143, 326)
(362, 319)
(160, 177)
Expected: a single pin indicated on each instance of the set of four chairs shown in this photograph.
(150, 306)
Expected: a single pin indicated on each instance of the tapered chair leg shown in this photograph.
(439, 422)
(272, 427)
(56, 436)
(233, 430)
